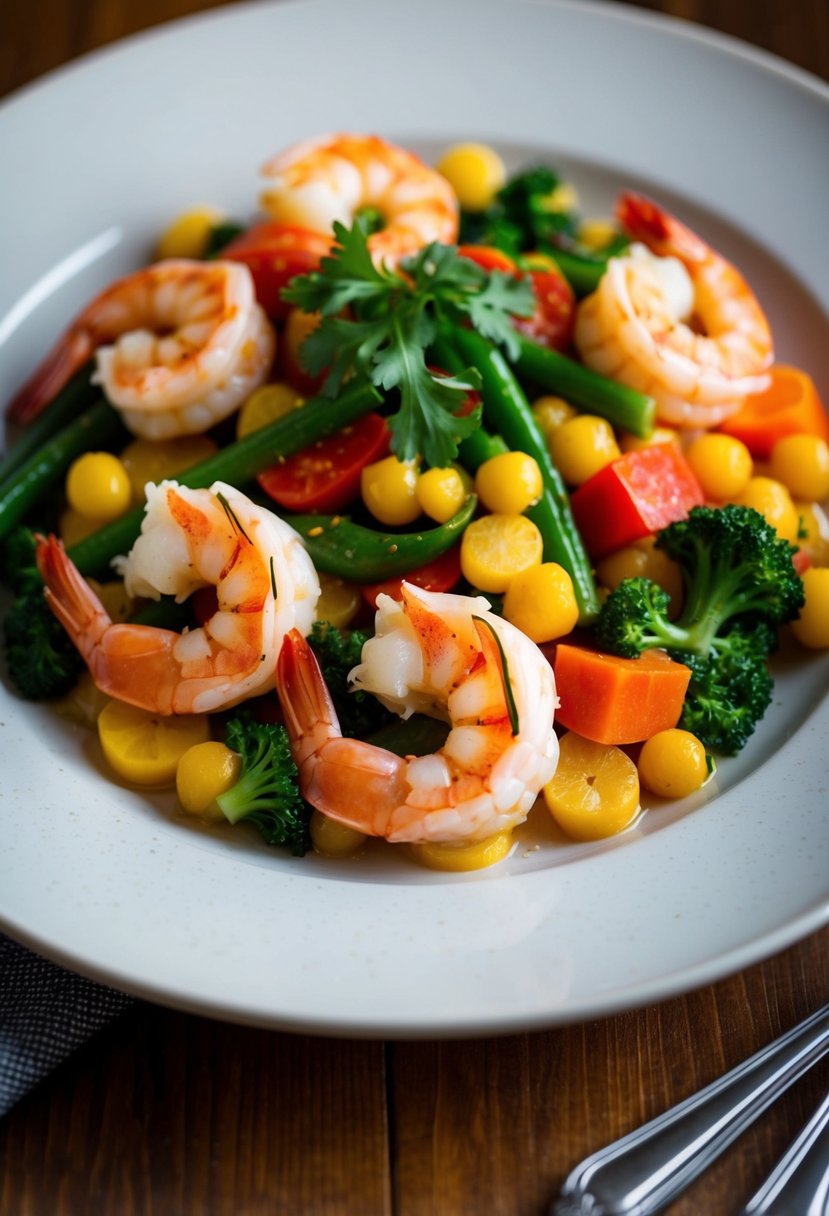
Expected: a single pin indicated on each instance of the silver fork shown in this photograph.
(800, 1180)
(644, 1171)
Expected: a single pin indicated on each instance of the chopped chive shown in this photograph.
(273, 577)
(231, 515)
(512, 708)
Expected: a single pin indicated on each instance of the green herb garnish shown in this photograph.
(393, 319)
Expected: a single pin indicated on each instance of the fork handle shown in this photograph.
(800, 1180)
(643, 1171)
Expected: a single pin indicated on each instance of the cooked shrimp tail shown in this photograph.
(179, 345)
(675, 319)
(56, 370)
(643, 220)
(320, 181)
(324, 758)
(446, 655)
(265, 585)
(117, 655)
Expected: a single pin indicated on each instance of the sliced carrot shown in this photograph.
(791, 405)
(613, 700)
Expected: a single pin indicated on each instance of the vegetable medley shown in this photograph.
(417, 504)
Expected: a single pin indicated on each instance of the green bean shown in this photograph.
(623, 407)
(480, 446)
(363, 555)
(99, 426)
(581, 272)
(506, 407)
(74, 397)
(236, 464)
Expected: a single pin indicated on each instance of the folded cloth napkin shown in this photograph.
(46, 1012)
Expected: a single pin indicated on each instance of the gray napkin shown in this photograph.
(46, 1013)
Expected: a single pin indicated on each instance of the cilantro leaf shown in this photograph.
(380, 324)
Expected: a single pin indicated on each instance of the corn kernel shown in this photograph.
(265, 405)
(550, 412)
(187, 235)
(801, 462)
(475, 172)
(597, 233)
(441, 493)
(496, 548)
(722, 465)
(509, 483)
(389, 490)
(333, 839)
(98, 486)
(660, 434)
(339, 601)
(774, 502)
(582, 446)
(460, 858)
(541, 602)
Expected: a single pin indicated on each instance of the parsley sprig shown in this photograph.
(391, 320)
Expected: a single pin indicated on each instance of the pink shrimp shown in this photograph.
(179, 346)
(674, 319)
(446, 655)
(265, 585)
(331, 178)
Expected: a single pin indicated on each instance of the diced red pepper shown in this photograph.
(633, 497)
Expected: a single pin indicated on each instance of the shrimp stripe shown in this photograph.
(236, 464)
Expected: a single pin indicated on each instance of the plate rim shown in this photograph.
(705, 972)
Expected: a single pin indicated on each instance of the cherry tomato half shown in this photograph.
(326, 476)
(274, 254)
(442, 574)
(551, 324)
(488, 258)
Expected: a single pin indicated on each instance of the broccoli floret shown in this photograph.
(41, 659)
(520, 217)
(267, 792)
(18, 569)
(360, 714)
(740, 585)
(729, 691)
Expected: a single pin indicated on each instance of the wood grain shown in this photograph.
(496, 1126)
(165, 1114)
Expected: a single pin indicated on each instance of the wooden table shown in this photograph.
(166, 1114)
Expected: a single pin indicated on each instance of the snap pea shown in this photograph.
(99, 426)
(350, 551)
(74, 397)
(507, 409)
(623, 407)
(237, 464)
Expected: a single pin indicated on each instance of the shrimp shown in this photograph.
(179, 346)
(674, 319)
(265, 586)
(448, 656)
(332, 177)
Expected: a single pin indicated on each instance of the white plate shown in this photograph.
(96, 158)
